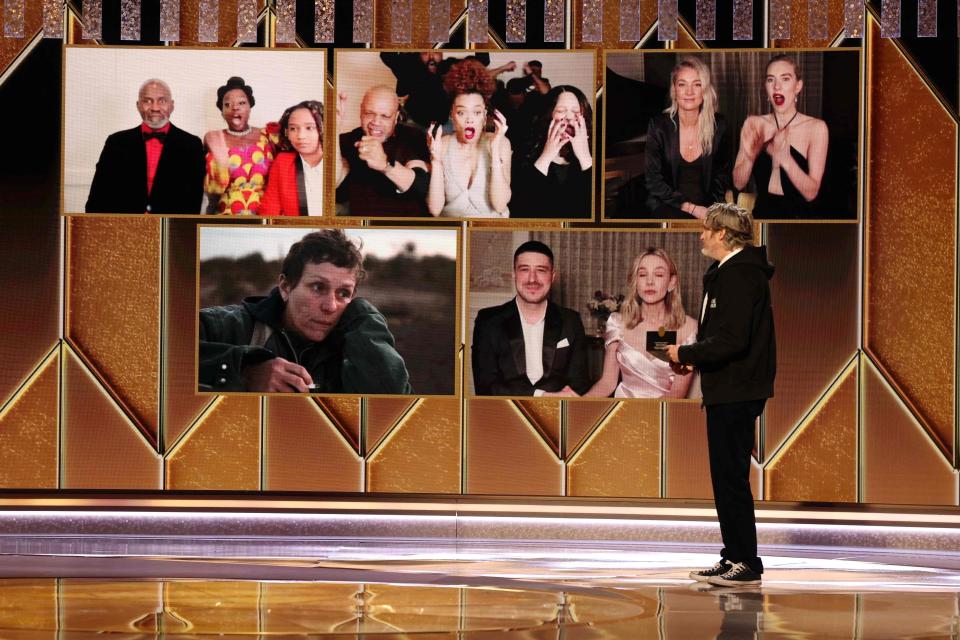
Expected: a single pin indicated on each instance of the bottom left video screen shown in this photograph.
(327, 311)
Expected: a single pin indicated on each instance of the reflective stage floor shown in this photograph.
(526, 592)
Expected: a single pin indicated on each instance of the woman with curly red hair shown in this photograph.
(470, 171)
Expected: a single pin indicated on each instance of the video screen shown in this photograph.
(776, 131)
(582, 313)
(189, 132)
(465, 134)
(327, 311)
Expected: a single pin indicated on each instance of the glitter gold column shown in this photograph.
(813, 23)
(422, 453)
(818, 463)
(10, 48)
(622, 457)
(911, 238)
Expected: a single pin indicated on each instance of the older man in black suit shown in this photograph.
(530, 346)
(152, 168)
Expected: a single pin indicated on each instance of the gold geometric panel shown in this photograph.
(382, 415)
(345, 414)
(686, 464)
(812, 615)
(303, 450)
(686, 461)
(29, 430)
(419, 24)
(132, 606)
(506, 455)
(10, 48)
(901, 464)
(29, 604)
(686, 38)
(582, 417)
(426, 609)
(102, 449)
(544, 415)
(113, 308)
(422, 453)
(215, 607)
(932, 616)
(622, 457)
(911, 238)
(815, 300)
(799, 26)
(818, 463)
(181, 404)
(29, 265)
(307, 607)
(222, 451)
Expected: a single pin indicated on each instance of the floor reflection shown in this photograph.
(527, 596)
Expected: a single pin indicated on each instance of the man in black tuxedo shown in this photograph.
(530, 346)
(152, 168)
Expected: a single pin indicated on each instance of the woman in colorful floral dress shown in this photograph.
(238, 157)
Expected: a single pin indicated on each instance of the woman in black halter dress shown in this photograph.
(784, 151)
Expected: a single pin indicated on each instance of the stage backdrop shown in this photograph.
(97, 342)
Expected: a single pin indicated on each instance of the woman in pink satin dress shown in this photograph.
(652, 301)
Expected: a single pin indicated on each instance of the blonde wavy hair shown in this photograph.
(632, 308)
(707, 121)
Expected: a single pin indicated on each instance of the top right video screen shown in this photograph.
(776, 131)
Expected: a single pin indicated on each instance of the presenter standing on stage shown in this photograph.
(735, 352)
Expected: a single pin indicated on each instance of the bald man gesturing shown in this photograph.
(382, 167)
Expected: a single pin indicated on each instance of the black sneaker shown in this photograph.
(716, 570)
(739, 574)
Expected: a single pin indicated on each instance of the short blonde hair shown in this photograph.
(736, 221)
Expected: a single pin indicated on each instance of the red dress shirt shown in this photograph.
(154, 149)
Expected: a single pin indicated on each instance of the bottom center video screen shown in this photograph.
(327, 311)
(613, 300)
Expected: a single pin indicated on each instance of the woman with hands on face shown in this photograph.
(784, 151)
(470, 171)
(554, 179)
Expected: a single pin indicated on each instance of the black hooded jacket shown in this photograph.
(736, 350)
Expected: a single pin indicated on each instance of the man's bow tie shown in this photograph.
(158, 135)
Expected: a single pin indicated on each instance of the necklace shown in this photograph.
(795, 114)
(240, 134)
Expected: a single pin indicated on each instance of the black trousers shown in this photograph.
(730, 435)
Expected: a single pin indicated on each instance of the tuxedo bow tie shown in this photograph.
(158, 135)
